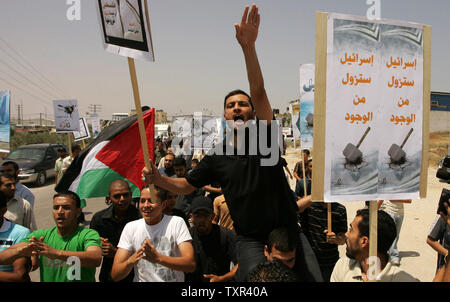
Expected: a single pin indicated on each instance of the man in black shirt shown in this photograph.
(109, 223)
(257, 193)
(214, 245)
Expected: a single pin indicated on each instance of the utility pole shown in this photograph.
(18, 114)
(40, 119)
(94, 108)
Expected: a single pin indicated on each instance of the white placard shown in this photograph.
(66, 116)
(125, 28)
(374, 98)
(295, 120)
(84, 131)
(96, 129)
(306, 105)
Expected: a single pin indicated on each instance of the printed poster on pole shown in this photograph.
(5, 125)
(125, 28)
(96, 129)
(84, 131)
(374, 109)
(306, 105)
(66, 116)
(295, 120)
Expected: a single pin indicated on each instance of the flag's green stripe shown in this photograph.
(95, 183)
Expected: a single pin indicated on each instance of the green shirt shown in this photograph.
(54, 270)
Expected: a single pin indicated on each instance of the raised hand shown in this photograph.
(247, 31)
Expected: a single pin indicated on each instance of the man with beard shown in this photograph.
(19, 210)
(355, 267)
(168, 170)
(109, 223)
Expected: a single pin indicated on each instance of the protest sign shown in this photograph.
(372, 90)
(96, 129)
(295, 109)
(5, 126)
(306, 105)
(125, 28)
(84, 131)
(66, 116)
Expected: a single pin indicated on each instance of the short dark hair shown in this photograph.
(160, 192)
(3, 200)
(386, 229)
(72, 195)
(7, 176)
(75, 147)
(282, 239)
(121, 182)
(272, 271)
(234, 92)
(61, 150)
(10, 162)
(306, 151)
(179, 161)
(195, 160)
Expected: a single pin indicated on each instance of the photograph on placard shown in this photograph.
(295, 109)
(66, 116)
(306, 120)
(125, 28)
(400, 156)
(373, 109)
(84, 131)
(5, 126)
(351, 151)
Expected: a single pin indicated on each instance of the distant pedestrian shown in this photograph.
(12, 168)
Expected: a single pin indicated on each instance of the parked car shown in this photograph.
(36, 162)
(443, 171)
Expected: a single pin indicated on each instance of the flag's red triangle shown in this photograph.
(124, 154)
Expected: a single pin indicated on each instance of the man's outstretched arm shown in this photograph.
(246, 34)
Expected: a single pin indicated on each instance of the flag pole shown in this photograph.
(140, 119)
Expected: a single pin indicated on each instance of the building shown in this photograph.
(440, 111)
(160, 117)
(119, 116)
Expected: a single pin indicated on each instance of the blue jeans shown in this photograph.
(250, 252)
(393, 251)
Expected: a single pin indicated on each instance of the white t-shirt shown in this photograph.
(165, 236)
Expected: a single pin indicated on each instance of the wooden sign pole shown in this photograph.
(373, 233)
(304, 174)
(140, 119)
(69, 143)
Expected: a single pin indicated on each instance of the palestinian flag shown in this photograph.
(115, 154)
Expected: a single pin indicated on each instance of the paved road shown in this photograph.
(43, 211)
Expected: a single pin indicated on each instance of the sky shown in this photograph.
(197, 58)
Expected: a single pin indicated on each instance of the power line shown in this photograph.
(33, 69)
(20, 63)
(34, 96)
(9, 76)
(31, 82)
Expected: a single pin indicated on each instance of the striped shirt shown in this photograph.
(314, 221)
